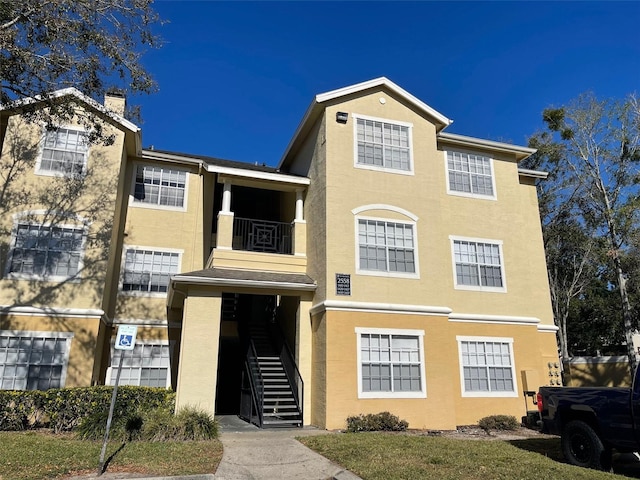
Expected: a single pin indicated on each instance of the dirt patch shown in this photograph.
(473, 432)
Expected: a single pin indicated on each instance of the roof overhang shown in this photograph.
(524, 172)
(471, 142)
(318, 105)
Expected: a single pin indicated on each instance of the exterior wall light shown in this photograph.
(341, 117)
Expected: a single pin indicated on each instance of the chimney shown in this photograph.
(115, 101)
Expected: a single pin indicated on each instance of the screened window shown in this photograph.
(391, 363)
(46, 251)
(147, 365)
(384, 145)
(148, 270)
(386, 246)
(33, 362)
(487, 366)
(64, 152)
(478, 264)
(160, 186)
(470, 174)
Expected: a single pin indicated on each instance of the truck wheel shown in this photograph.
(581, 446)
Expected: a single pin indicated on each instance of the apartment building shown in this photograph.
(384, 265)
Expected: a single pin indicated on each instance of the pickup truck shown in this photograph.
(592, 421)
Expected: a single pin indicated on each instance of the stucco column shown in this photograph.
(224, 238)
(299, 227)
(303, 353)
(198, 369)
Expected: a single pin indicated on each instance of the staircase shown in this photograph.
(271, 369)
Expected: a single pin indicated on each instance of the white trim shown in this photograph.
(495, 319)
(378, 273)
(391, 331)
(228, 282)
(382, 206)
(457, 193)
(136, 293)
(258, 175)
(366, 166)
(40, 211)
(532, 173)
(19, 310)
(159, 322)
(370, 307)
(478, 288)
(471, 142)
(49, 173)
(68, 336)
(479, 394)
(548, 328)
(133, 203)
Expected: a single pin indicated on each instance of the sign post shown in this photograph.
(125, 340)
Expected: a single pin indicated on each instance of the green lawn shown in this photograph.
(380, 456)
(36, 455)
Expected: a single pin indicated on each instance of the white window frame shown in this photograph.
(390, 331)
(53, 173)
(67, 336)
(137, 293)
(477, 394)
(387, 273)
(479, 288)
(25, 218)
(365, 166)
(156, 206)
(111, 374)
(458, 193)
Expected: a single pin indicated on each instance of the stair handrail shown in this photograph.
(255, 381)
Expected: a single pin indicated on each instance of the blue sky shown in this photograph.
(235, 78)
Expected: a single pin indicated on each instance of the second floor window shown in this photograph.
(383, 145)
(160, 186)
(386, 246)
(46, 251)
(148, 270)
(64, 152)
(470, 174)
(478, 264)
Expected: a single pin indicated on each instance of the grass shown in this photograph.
(37, 455)
(383, 456)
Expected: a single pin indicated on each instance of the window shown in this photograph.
(383, 145)
(386, 246)
(46, 251)
(487, 366)
(390, 363)
(64, 152)
(33, 360)
(160, 186)
(470, 174)
(147, 365)
(148, 270)
(478, 265)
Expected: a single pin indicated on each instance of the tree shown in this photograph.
(594, 147)
(92, 45)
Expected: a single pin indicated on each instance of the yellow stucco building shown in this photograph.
(384, 265)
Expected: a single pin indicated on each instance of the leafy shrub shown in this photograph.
(123, 428)
(20, 410)
(498, 422)
(189, 423)
(383, 421)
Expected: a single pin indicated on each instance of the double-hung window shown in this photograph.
(46, 251)
(148, 270)
(478, 264)
(470, 175)
(390, 363)
(147, 365)
(64, 152)
(383, 145)
(159, 186)
(33, 360)
(385, 246)
(487, 367)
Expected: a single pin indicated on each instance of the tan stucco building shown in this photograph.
(384, 265)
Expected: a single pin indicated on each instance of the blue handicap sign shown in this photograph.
(126, 340)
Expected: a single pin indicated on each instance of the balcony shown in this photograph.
(262, 236)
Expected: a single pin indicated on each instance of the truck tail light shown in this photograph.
(539, 402)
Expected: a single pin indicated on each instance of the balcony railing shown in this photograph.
(262, 236)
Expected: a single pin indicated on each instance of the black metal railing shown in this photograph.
(262, 236)
(290, 367)
(252, 394)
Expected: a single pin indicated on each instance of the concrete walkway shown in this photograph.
(254, 454)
